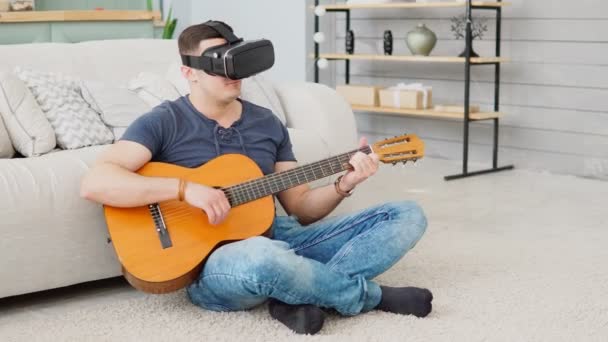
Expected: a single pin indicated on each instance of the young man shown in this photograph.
(308, 264)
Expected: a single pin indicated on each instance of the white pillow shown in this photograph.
(6, 147)
(153, 89)
(258, 90)
(174, 75)
(117, 106)
(76, 125)
(30, 131)
(255, 89)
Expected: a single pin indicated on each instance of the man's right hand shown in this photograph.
(212, 201)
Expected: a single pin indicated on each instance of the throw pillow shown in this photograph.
(255, 89)
(75, 123)
(153, 89)
(258, 90)
(6, 147)
(28, 128)
(117, 106)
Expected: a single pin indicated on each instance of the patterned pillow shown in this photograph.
(75, 123)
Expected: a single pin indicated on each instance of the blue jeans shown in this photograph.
(329, 263)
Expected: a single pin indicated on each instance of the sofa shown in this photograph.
(49, 236)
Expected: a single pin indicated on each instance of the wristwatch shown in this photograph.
(340, 191)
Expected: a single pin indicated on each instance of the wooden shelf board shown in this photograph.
(101, 15)
(414, 5)
(405, 58)
(426, 112)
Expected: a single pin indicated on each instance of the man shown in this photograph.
(308, 264)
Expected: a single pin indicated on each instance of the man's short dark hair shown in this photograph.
(190, 38)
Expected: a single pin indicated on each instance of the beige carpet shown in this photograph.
(517, 256)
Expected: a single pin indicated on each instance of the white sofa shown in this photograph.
(49, 236)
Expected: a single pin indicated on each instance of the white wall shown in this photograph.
(283, 22)
(554, 91)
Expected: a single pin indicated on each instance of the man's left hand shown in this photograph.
(365, 165)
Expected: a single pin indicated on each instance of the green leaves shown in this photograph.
(169, 25)
(149, 5)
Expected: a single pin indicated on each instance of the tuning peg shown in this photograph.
(394, 163)
(414, 160)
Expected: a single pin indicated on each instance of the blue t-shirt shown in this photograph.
(177, 133)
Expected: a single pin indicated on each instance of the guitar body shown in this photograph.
(151, 267)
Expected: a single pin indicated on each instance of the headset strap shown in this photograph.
(224, 31)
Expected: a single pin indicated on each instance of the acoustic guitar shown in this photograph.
(162, 246)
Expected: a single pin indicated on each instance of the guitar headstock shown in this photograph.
(399, 149)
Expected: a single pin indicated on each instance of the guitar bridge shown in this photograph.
(160, 226)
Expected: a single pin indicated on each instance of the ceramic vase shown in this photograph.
(421, 40)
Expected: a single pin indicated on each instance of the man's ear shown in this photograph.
(189, 73)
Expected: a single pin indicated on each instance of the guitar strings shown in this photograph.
(260, 186)
(256, 188)
(320, 166)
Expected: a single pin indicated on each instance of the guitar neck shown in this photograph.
(277, 182)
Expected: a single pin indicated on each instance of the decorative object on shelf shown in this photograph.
(22, 5)
(322, 63)
(350, 42)
(320, 11)
(388, 42)
(459, 27)
(421, 40)
(359, 94)
(407, 96)
(5, 5)
(319, 37)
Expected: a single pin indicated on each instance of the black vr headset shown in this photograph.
(236, 59)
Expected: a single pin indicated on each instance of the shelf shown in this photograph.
(101, 15)
(405, 58)
(427, 113)
(414, 5)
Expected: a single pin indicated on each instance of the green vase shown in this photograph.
(421, 40)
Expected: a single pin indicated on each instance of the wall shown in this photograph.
(554, 90)
(283, 22)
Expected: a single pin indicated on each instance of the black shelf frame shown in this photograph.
(467, 86)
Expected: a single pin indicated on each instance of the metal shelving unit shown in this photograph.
(468, 62)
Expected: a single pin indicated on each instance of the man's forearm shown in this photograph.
(317, 203)
(112, 185)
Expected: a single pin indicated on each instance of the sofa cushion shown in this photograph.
(76, 125)
(6, 147)
(153, 89)
(255, 89)
(27, 126)
(258, 90)
(117, 106)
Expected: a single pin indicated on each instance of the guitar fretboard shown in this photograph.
(277, 182)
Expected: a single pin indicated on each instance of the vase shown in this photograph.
(421, 40)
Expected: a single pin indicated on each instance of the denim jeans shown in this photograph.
(330, 263)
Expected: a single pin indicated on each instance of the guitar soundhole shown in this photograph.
(160, 226)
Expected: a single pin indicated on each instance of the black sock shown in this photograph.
(303, 319)
(406, 301)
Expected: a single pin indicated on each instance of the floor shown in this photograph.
(513, 256)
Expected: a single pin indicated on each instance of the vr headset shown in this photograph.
(237, 59)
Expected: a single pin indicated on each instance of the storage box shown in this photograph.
(406, 99)
(359, 95)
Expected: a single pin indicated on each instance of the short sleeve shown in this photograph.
(285, 151)
(150, 130)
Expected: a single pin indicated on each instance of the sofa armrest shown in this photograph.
(316, 107)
